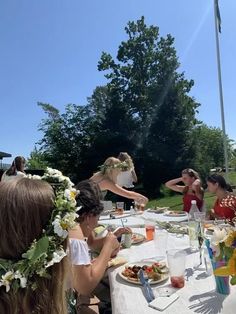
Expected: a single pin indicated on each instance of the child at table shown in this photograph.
(86, 273)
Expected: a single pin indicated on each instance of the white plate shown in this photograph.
(139, 238)
(175, 214)
(164, 276)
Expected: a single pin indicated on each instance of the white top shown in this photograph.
(125, 179)
(79, 252)
(19, 174)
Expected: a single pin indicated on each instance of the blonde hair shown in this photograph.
(192, 173)
(111, 168)
(123, 156)
(25, 208)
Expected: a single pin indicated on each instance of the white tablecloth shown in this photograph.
(197, 296)
(138, 220)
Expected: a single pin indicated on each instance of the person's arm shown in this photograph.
(87, 277)
(116, 189)
(197, 188)
(172, 185)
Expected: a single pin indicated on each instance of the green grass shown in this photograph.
(175, 201)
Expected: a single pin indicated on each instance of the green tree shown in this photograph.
(145, 86)
(209, 150)
(67, 137)
(37, 160)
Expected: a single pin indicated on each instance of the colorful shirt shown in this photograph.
(226, 208)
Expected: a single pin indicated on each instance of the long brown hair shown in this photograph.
(25, 208)
(18, 164)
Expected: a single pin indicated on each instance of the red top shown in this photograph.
(226, 208)
(188, 197)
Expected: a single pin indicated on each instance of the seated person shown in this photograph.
(16, 170)
(106, 178)
(225, 204)
(87, 273)
(26, 213)
(191, 190)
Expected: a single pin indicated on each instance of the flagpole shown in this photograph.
(217, 28)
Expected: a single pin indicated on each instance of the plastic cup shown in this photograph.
(127, 240)
(150, 230)
(176, 262)
(120, 208)
(160, 241)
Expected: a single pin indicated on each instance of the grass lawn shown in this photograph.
(175, 201)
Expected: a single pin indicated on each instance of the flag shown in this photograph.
(218, 15)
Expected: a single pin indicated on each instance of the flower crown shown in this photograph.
(121, 165)
(48, 249)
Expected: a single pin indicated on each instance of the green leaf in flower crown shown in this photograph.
(4, 264)
(37, 250)
(233, 280)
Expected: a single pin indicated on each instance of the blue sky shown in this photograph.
(50, 50)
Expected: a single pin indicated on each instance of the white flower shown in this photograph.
(33, 177)
(61, 232)
(6, 280)
(23, 280)
(69, 220)
(57, 257)
(219, 236)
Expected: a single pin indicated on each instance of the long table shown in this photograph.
(138, 220)
(197, 296)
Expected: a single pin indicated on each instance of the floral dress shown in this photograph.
(226, 208)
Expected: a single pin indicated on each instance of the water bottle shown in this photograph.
(193, 209)
(193, 227)
(132, 211)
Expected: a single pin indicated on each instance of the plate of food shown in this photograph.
(175, 213)
(158, 210)
(137, 238)
(156, 271)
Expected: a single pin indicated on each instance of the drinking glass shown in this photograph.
(150, 230)
(176, 262)
(120, 208)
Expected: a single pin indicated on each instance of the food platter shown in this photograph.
(157, 210)
(137, 238)
(156, 271)
(176, 214)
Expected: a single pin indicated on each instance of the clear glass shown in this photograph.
(176, 262)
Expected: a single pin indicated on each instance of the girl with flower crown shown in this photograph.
(33, 265)
(88, 274)
(106, 178)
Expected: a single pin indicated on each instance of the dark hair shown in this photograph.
(192, 173)
(217, 178)
(89, 198)
(17, 165)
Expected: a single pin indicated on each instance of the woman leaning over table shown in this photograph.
(106, 178)
(86, 273)
(191, 190)
(225, 204)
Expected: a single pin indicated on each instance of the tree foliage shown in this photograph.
(144, 109)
